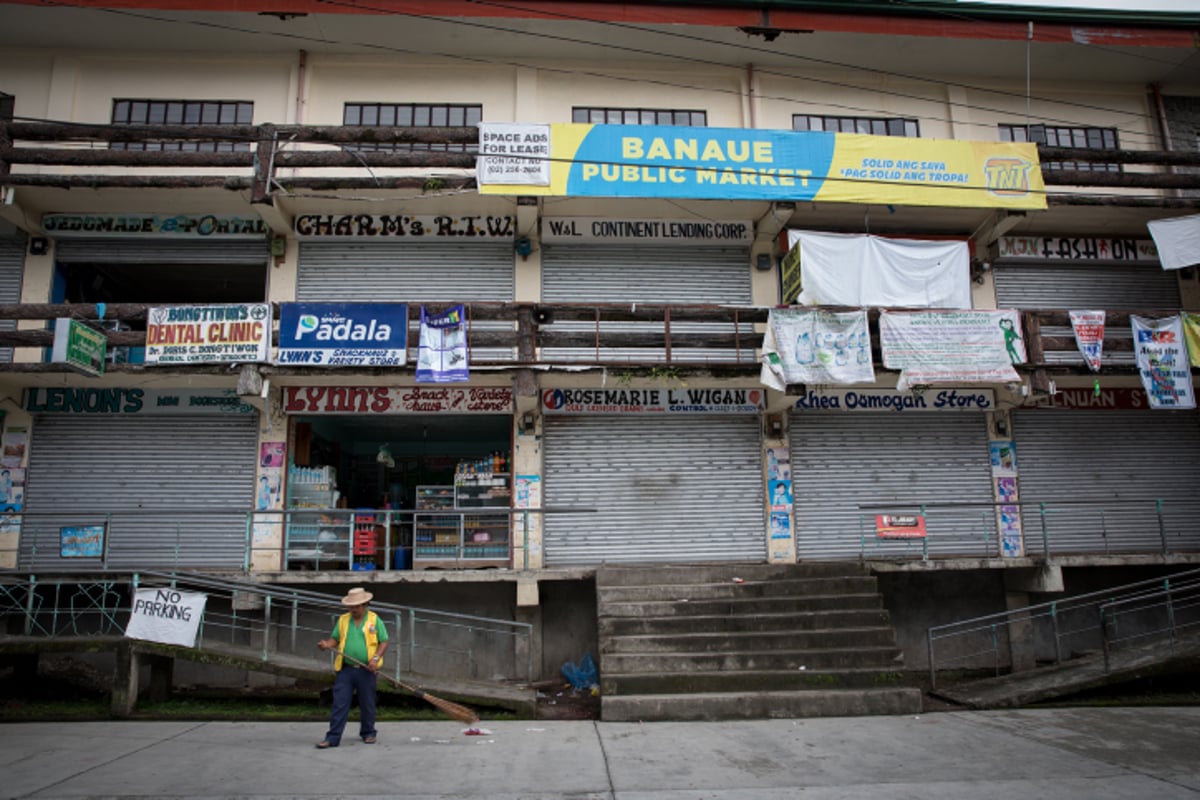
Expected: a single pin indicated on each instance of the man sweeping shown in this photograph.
(361, 640)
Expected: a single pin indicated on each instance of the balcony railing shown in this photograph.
(638, 335)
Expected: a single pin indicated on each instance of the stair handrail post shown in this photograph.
(995, 650)
(1170, 611)
(932, 667)
(1104, 639)
(1057, 639)
(266, 634)
(924, 540)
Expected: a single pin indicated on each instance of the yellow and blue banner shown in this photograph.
(737, 164)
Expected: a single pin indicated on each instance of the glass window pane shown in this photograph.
(474, 115)
(700, 119)
(191, 114)
(912, 128)
(614, 116)
(579, 115)
(681, 118)
(631, 117)
(120, 111)
(457, 116)
(370, 115)
(175, 113)
(404, 116)
(862, 126)
(648, 117)
(137, 112)
(387, 116)
(156, 113)
(799, 122)
(245, 113)
(420, 116)
(352, 114)
(209, 114)
(228, 113)
(438, 116)
(879, 127)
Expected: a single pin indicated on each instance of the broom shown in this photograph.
(460, 713)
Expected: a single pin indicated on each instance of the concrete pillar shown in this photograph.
(529, 610)
(1022, 649)
(125, 681)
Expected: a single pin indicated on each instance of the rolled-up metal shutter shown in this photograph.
(1053, 284)
(681, 490)
(846, 468)
(150, 251)
(12, 270)
(175, 489)
(640, 274)
(1101, 474)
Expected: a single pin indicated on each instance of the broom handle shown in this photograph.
(404, 686)
(461, 713)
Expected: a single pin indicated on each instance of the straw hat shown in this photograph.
(357, 596)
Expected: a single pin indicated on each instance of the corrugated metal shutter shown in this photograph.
(1099, 475)
(12, 270)
(843, 461)
(641, 274)
(1085, 286)
(151, 251)
(444, 272)
(682, 490)
(334, 272)
(156, 467)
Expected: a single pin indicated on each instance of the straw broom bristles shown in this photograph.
(459, 712)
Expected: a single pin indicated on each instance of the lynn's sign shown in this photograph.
(397, 400)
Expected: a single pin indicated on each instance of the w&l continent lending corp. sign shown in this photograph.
(652, 401)
(397, 400)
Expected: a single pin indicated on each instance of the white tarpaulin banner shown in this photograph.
(852, 269)
(513, 153)
(167, 616)
(1162, 360)
(937, 347)
(816, 346)
(1177, 241)
(1089, 336)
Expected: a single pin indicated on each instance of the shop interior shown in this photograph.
(404, 463)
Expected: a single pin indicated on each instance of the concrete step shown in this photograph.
(662, 574)
(750, 660)
(735, 641)
(750, 681)
(759, 705)
(740, 606)
(790, 621)
(787, 587)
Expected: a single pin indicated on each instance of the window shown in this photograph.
(874, 126)
(413, 115)
(1088, 138)
(183, 112)
(639, 116)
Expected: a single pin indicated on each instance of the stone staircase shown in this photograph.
(746, 641)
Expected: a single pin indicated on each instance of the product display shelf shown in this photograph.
(319, 539)
(463, 540)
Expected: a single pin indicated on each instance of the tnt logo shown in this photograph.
(1008, 177)
(1157, 337)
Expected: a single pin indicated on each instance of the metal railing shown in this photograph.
(1049, 528)
(1169, 611)
(268, 623)
(1056, 629)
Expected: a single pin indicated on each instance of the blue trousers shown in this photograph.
(351, 679)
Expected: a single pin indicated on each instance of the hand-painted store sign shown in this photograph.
(1067, 249)
(1091, 400)
(142, 402)
(343, 334)
(652, 401)
(175, 226)
(239, 332)
(404, 226)
(740, 164)
(397, 400)
(887, 400)
(690, 232)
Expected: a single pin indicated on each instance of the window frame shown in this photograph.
(363, 114)
(184, 113)
(616, 115)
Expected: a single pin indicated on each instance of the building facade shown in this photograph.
(202, 183)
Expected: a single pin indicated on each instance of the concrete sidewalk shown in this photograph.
(1091, 754)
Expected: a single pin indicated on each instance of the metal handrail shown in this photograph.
(286, 622)
(1054, 611)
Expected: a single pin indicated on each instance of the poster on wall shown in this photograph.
(1162, 360)
(936, 347)
(781, 525)
(900, 526)
(1004, 458)
(779, 464)
(82, 542)
(816, 346)
(1089, 336)
(442, 356)
(781, 495)
(1191, 334)
(1010, 532)
(12, 447)
(514, 153)
(167, 616)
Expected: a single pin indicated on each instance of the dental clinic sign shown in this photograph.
(343, 334)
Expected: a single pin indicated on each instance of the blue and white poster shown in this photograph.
(343, 334)
(442, 354)
(1162, 360)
